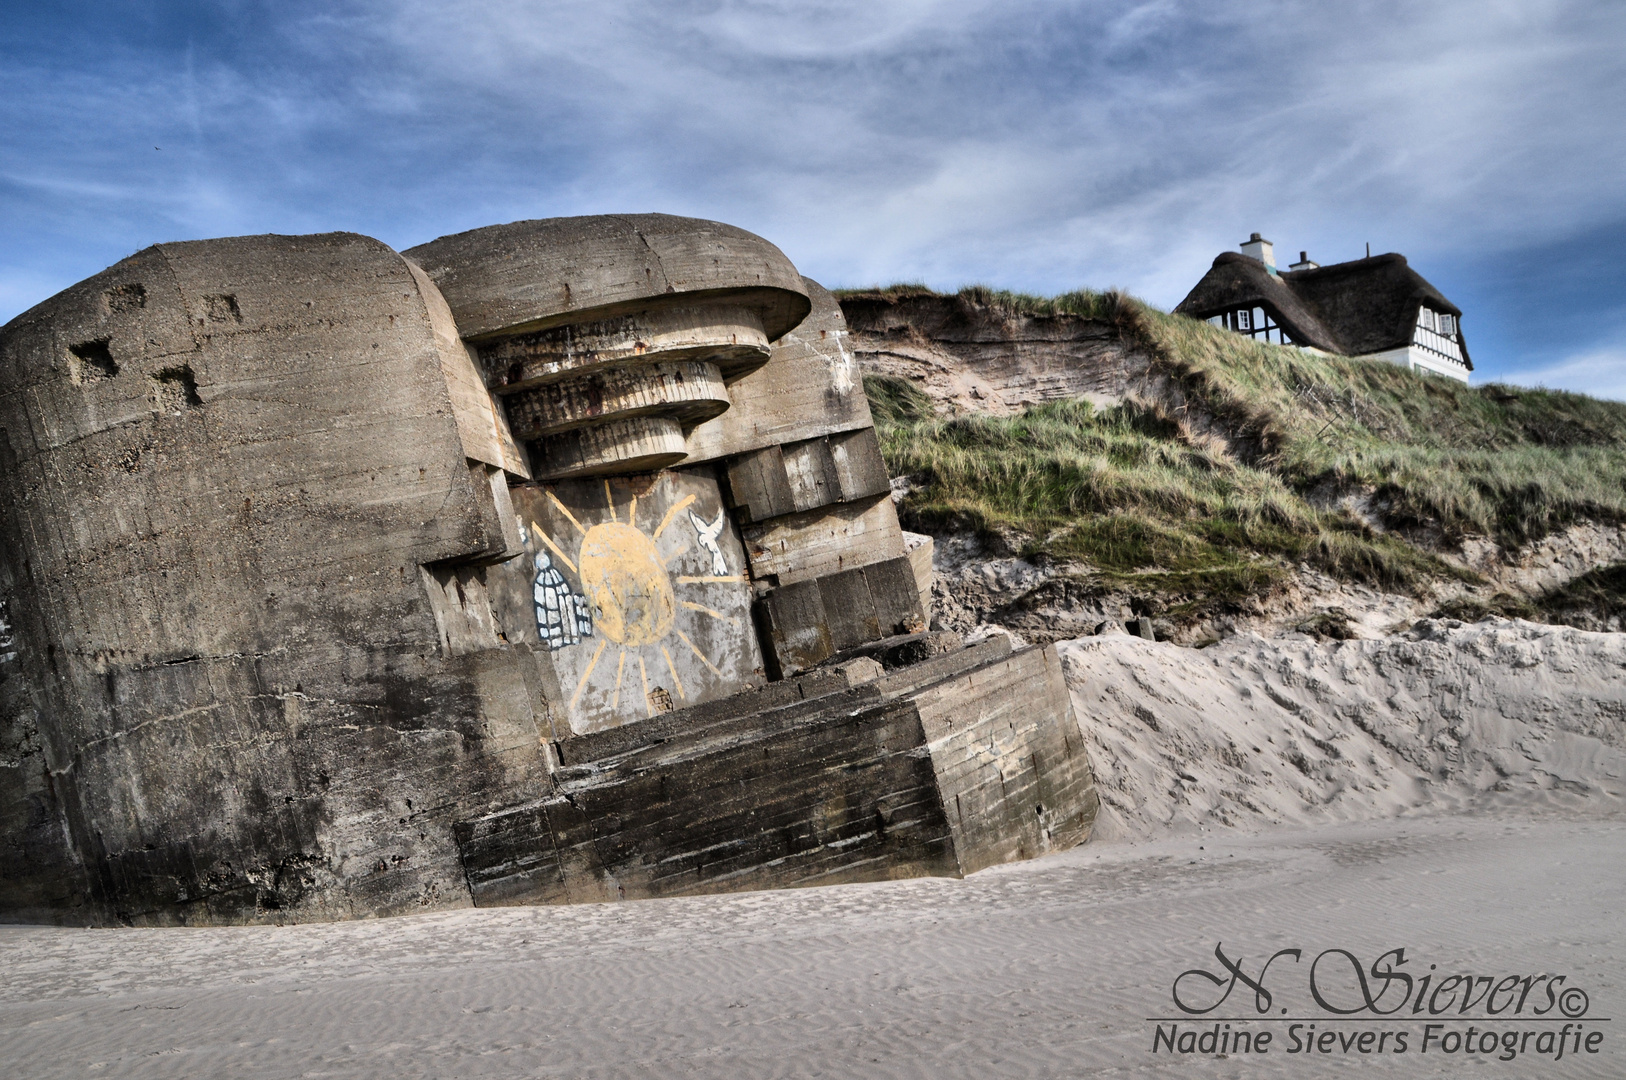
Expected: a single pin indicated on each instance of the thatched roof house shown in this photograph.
(1376, 308)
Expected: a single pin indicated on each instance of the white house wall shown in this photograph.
(1437, 342)
(1410, 356)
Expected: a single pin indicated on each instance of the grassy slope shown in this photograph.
(1135, 492)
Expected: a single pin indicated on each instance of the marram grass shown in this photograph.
(1131, 491)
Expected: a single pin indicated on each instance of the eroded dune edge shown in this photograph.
(1448, 717)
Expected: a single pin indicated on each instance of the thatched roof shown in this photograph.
(1351, 308)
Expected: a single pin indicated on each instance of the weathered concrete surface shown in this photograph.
(610, 338)
(1009, 760)
(724, 332)
(643, 443)
(804, 623)
(942, 768)
(799, 547)
(690, 392)
(830, 579)
(769, 801)
(287, 631)
(810, 387)
(481, 425)
(530, 275)
(226, 466)
(920, 548)
(796, 477)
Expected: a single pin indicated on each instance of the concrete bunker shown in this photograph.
(545, 562)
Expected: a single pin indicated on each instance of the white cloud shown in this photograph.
(1598, 372)
(989, 140)
(1031, 144)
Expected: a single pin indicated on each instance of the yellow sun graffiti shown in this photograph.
(625, 580)
(628, 587)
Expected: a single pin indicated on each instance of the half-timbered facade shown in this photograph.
(1375, 308)
(1254, 321)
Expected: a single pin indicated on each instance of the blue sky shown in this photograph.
(1033, 146)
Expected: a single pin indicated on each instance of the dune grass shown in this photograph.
(1119, 488)
(1492, 460)
(1134, 491)
(1083, 302)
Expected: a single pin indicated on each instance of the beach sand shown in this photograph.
(1043, 969)
(1470, 861)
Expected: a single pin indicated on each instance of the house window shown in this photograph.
(1437, 334)
(1437, 322)
(1256, 322)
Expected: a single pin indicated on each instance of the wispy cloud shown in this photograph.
(1029, 143)
(1600, 373)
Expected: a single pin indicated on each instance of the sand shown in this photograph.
(1449, 718)
(1510, 858)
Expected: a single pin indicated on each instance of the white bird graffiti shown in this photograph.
(708, 533)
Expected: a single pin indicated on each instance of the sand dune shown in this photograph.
(1448, 718)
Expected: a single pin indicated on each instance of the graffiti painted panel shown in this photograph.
(640, 594)
(8, 643)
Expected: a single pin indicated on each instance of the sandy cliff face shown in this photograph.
(970, 358)
(976, 582)
(1549, 563)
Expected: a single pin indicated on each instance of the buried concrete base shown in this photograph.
(962, 761)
